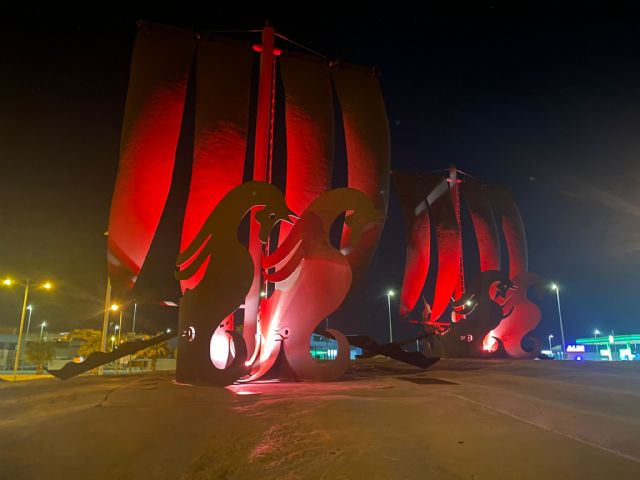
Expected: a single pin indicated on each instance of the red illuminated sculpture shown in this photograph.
(494, 314)
(250, 305)
(301, 277)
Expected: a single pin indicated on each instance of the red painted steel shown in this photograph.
(310, 130)
(261, 162)
(223, 81)
(367, 140)
(476, 197)
(160, 67)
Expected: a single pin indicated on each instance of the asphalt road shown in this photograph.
(456, 420)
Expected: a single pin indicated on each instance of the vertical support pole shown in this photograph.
(105, 322)
(561, 326)
(120, 328)
(261, 166)
(135, 309)
(455, 197)
(18, 349)
(390, 328)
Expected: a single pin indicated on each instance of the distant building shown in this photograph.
(611, 347)
(323, 348)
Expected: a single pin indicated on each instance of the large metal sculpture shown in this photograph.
(284, 281)
(250, 306)
(493, 315)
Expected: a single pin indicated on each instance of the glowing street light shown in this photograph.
(8, 282)
(596, 332)
(557, 289)
(550, 337)
(114, 307)
(168, 330)
(42, 325)
(390, 294)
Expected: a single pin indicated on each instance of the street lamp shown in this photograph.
(550, 348)
(557, 289)
(42, 325)
(119, 327)
(8, 282)
(390, 294)
(26, 335)
(30, 308)
(596, 332)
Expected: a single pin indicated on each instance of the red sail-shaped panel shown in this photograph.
(153, 113)
(223, 83)
(310, 131)
(368, 151)
(412, 191)
(443, 217)
(476, 196)
(512, 229)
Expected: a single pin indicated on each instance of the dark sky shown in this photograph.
(544, 101)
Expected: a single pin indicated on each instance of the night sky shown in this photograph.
(545, 102)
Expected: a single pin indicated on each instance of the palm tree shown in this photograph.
(40, 353)
(154, 352)
(91, 340)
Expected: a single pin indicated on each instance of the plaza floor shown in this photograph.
(385, 420)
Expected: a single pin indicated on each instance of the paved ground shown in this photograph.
(459, 419)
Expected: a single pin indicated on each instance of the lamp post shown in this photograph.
(42, 325)
(390, 294)
(108, 307)
(8, 283)
(133, 325)
(555, 287)
(30, 308)
(596, 332)
(120, 328)
(550, 348)
(26, 335)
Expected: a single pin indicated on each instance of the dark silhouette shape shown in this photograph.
(97, 359)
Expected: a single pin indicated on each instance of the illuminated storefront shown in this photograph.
(611, 347)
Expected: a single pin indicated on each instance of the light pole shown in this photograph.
(550, 348)
(8, 282)
(30, 308)
(26, 335)
(133, 325)
(108, 307)
(120, 328)
(390, 294)
(42, 325)
(596, 332)
(555, 287)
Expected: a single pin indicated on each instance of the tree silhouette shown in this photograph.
(160, 350)
(40, 353)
